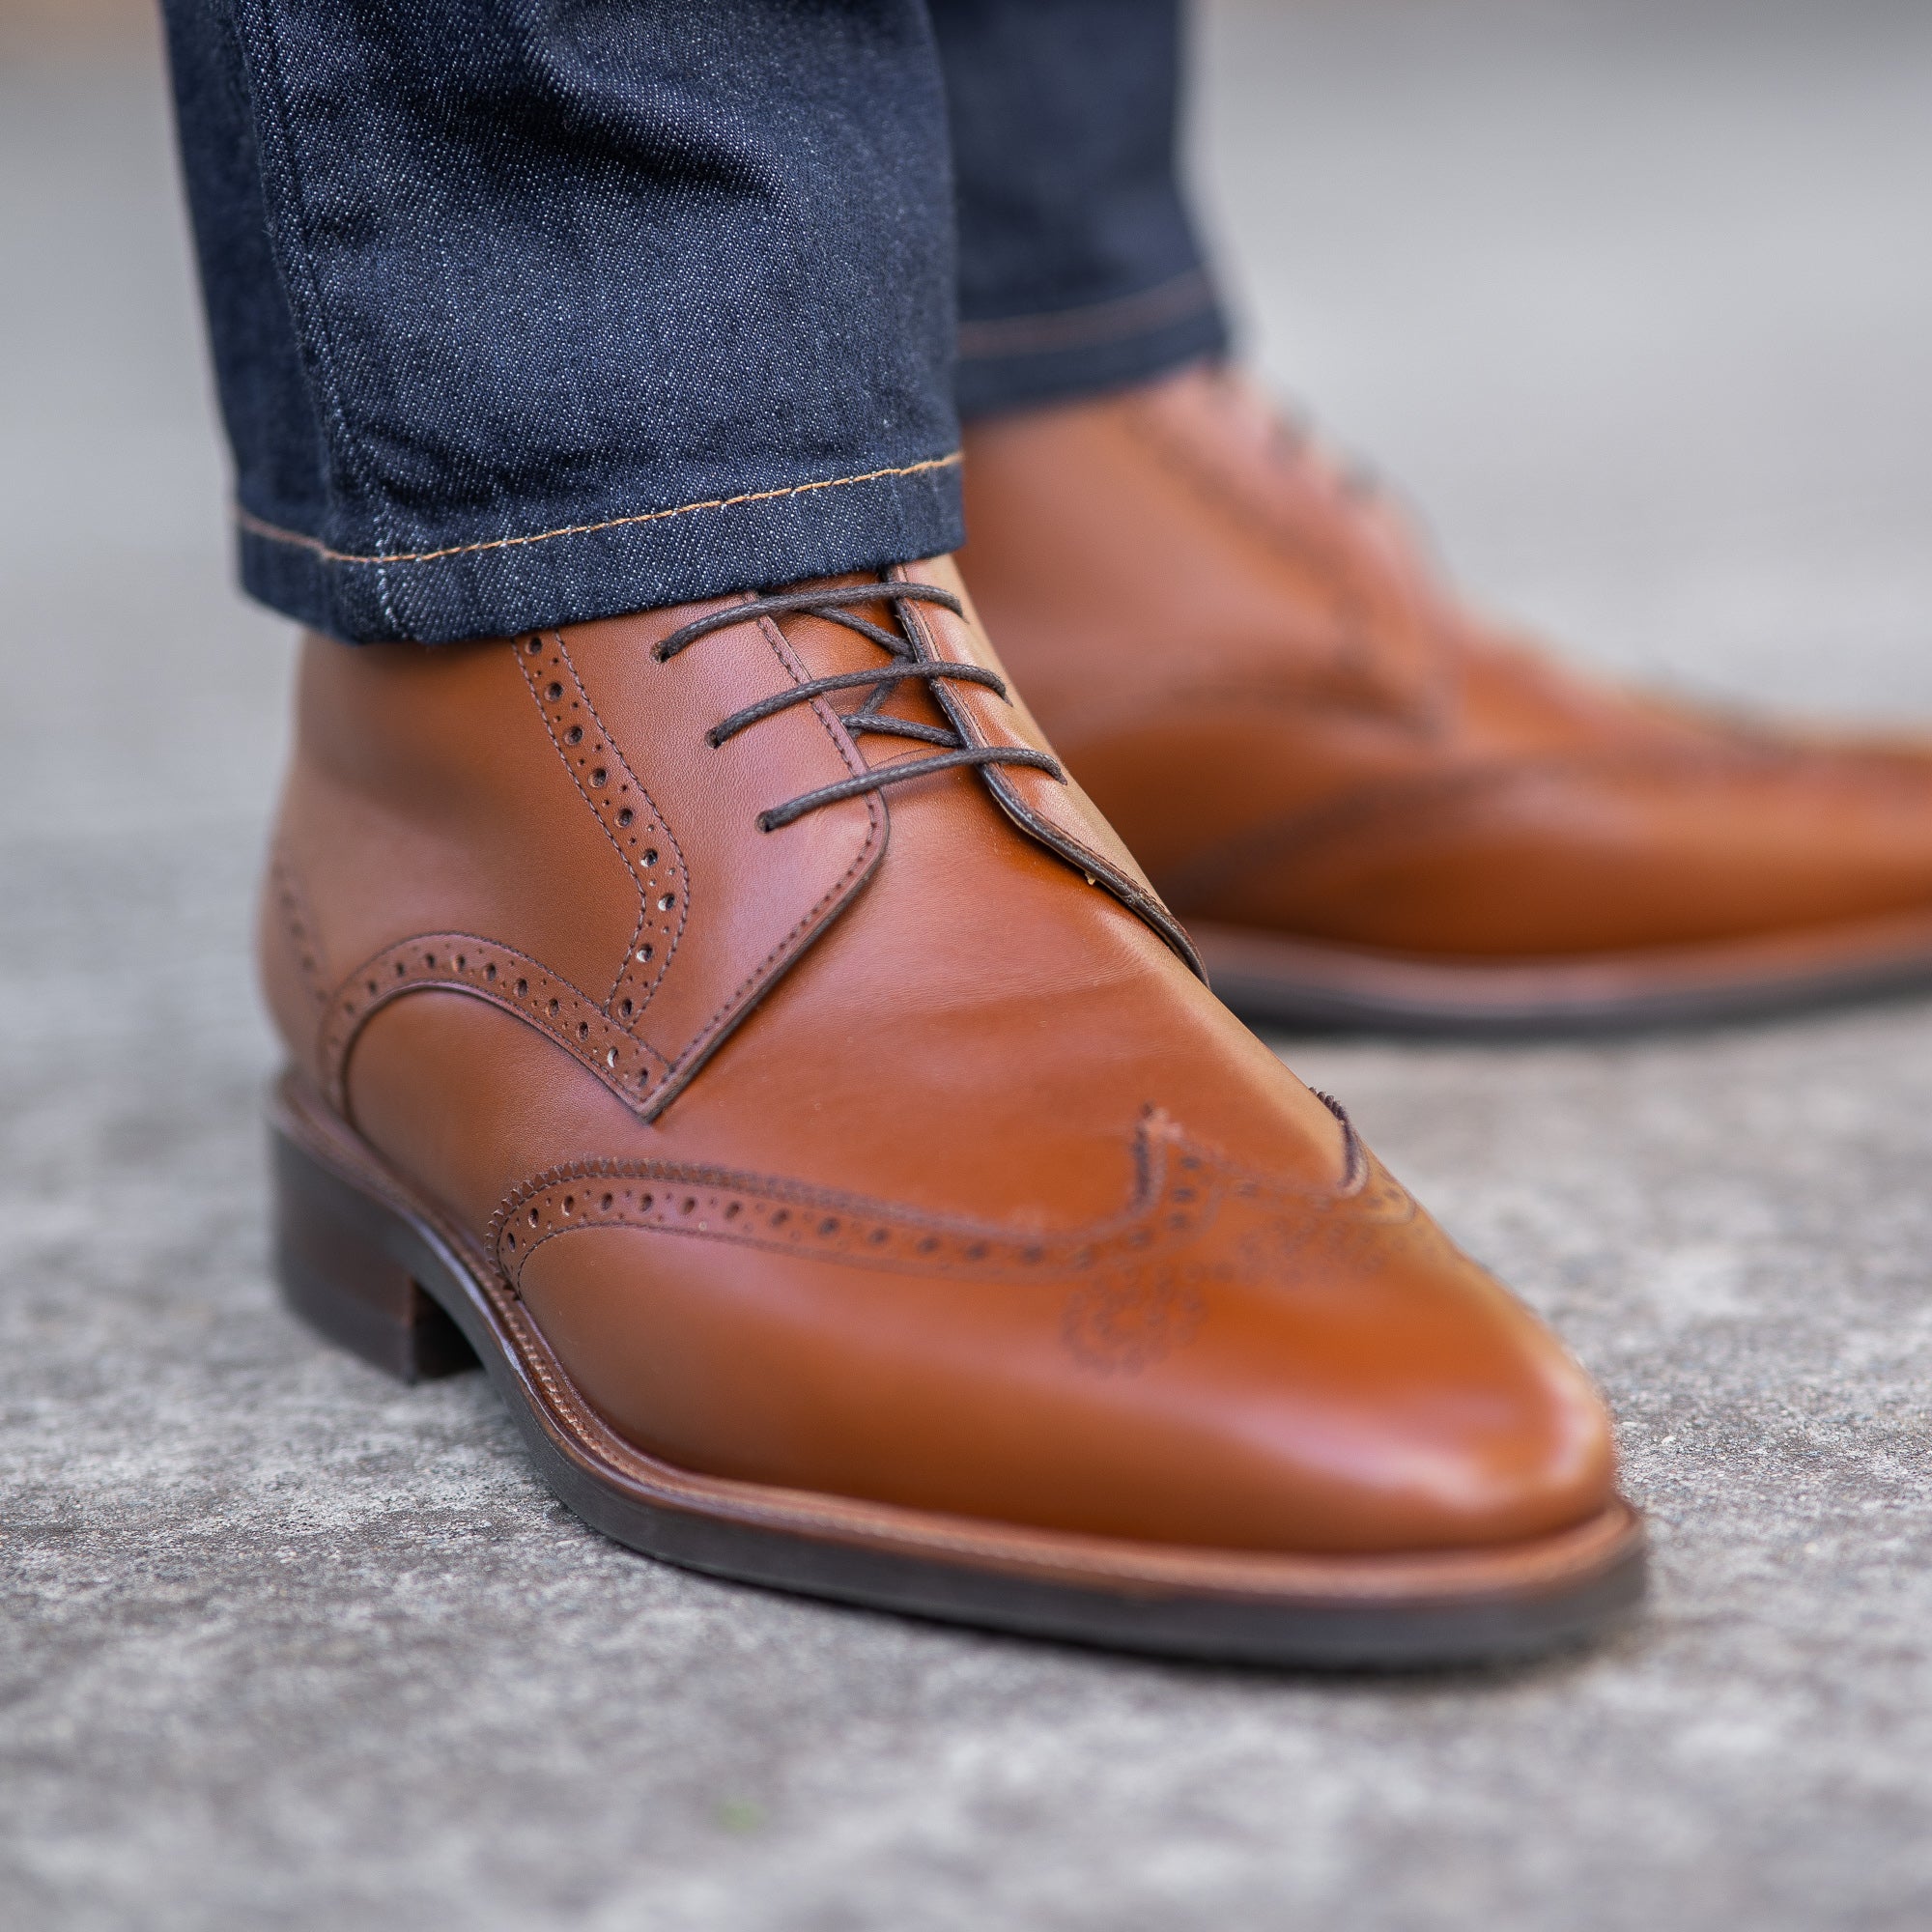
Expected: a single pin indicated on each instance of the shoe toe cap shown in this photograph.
(1287, 1374)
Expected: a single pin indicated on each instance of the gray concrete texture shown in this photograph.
(1637, 297)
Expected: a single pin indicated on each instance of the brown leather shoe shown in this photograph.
(727, 1024)
(1369, 808)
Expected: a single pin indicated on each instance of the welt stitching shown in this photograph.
(333, 1062)
(534, 1354)
(874, 813)
(532, 1351)
(616, 752)
(502, 1299)
(1168, 301)
(258, 526)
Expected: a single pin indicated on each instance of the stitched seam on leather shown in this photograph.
(784, 946)
(1044, 1272)
(643, 894)
(1143, 904)
(1055, 834)
(259, 527)
(298, 925)
(607, 1447)
(503, 1298)
(354, 1002)
(1151, 1176)
(875, 816)
(1146, 905)
(643, 885)
(1056, 1256)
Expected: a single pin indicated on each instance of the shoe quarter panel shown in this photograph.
(755, 901)
(427, 802)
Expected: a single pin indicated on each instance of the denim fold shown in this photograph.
(525, 312)
(1080, 267)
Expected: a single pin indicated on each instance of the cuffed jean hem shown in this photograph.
(1026, 361)
(604, 567)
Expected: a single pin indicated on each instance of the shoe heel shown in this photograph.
(337, 1260)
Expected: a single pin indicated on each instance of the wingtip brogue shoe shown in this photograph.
(1371, 808)
(731, 1025)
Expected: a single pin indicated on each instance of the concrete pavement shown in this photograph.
(1637, 297)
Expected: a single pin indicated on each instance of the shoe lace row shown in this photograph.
(908, 663)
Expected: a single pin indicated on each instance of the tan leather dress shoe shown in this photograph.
(728, 1024)
(1369, 808)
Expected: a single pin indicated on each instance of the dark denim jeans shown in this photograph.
(529, 311)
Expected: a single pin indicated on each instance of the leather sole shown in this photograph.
(1306, 984)
(384, 1275)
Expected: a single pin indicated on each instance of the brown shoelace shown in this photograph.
(832, 604)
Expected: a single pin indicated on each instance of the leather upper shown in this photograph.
(897, 1152)
(1246, 657)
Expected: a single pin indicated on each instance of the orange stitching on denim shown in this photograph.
(1152, 308)
(257, 527)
